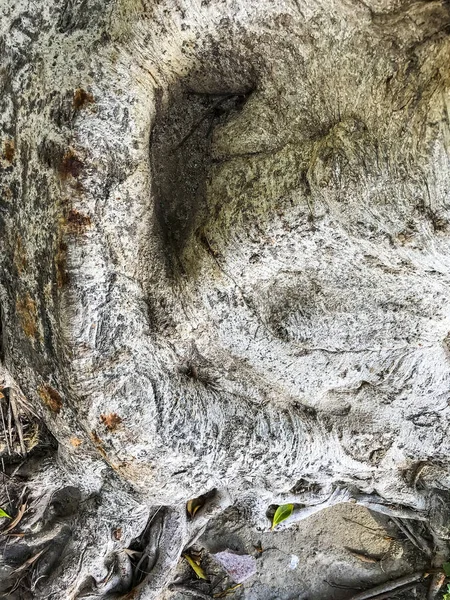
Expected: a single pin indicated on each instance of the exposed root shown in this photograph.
(342, 495)
(165, 538)
(41, 541)
(214, 505)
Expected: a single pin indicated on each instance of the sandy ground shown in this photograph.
(316, 559)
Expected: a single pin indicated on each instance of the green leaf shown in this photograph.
(194, 505)
(197, 568)
(446, 567)
(281, 514)
(4, 514)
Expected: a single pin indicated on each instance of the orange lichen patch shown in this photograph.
(9, 150)
(75, 442)
(98, 442)
(81, 98)
(70, 165)
(51, 398)
(20, 258)
(77, 222)
(27, 313)
(111, 421)
(62, 277)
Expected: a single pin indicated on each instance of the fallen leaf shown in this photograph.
(31, 560)
(16, 519)
(446, 567)
(363, 557)
(227, 591)
(3, 514)
(196, 568)
(282, 513)
(194, 505)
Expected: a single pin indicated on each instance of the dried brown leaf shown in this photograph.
(227, 591)
(194, 505)
(30, 561)
(363, 557)
(16, 519)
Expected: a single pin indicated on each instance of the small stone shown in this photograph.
(238, 566)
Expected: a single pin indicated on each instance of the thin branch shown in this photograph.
(416, 539)
(385, 589)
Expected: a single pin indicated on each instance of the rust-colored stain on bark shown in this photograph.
(81, 98)
(71, 165)
(111, 421)
(9, 150)
(51, 398)
(98, 442)
(77, 222)
(20, 258)
(27, 313)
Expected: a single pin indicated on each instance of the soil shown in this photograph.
(330, 556)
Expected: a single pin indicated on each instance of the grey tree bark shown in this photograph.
(224, 267)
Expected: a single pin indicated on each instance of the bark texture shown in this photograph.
(224, 265)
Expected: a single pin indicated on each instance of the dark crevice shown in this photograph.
(145, 548)
(181, 157)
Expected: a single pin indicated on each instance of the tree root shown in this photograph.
(144, 562)
(343, 495)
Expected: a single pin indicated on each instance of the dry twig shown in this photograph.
(381, 590)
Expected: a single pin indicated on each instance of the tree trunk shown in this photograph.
(224, 266)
